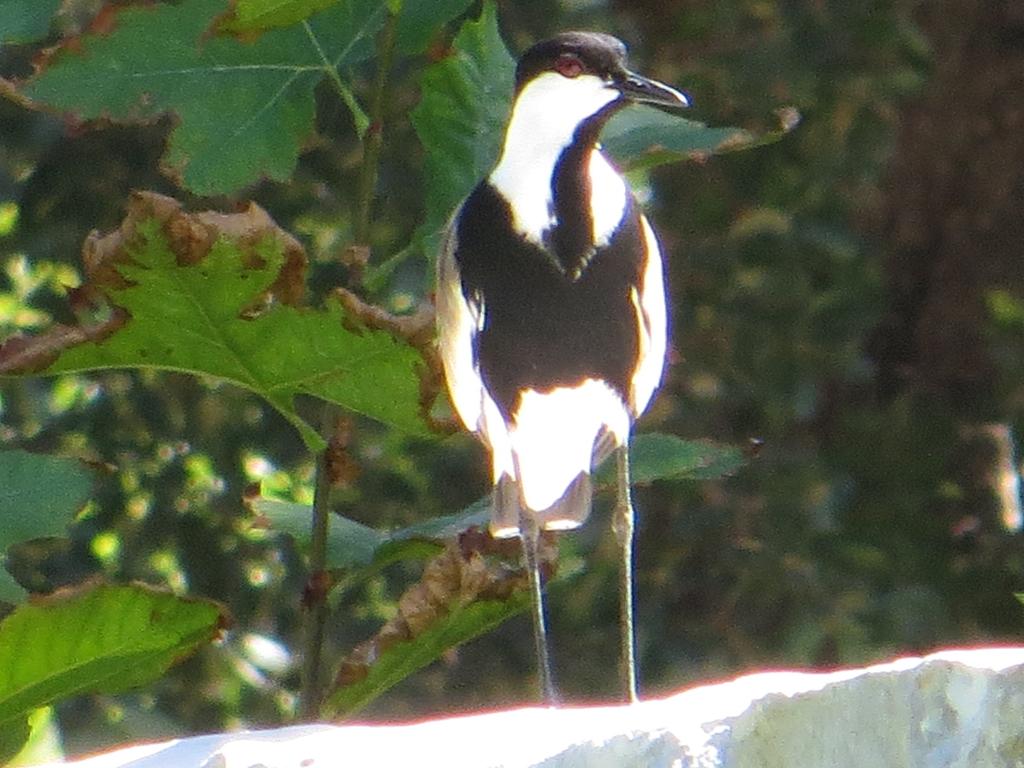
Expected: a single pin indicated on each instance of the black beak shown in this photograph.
(646, 91)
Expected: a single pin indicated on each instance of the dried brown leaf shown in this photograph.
(190, 236)
(417, 330)
(475, 567)
(30, 354)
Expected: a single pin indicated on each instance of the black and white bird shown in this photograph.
(551, 306)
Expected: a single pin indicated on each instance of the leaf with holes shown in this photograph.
(243, 109)
(213, 294)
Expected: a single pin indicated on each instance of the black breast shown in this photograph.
(542, 329)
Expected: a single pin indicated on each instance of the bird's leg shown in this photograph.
(623, 524)
(529, 532)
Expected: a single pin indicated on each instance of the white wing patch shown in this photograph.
(608, 198)
(458, 322)
(652, 320)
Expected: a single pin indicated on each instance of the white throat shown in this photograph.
(544, 118)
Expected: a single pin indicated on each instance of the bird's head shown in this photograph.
(576, 76)
(566, 89)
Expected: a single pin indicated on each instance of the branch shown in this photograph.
(374, 138)
(315, 597)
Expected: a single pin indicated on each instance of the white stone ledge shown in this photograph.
(954, 709)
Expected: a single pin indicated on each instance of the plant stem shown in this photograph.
(315, 598)
(317, 588)
(374, 139)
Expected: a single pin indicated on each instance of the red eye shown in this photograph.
(568, 65)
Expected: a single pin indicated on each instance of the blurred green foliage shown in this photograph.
(875, 518)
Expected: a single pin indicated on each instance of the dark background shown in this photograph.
(852, 296)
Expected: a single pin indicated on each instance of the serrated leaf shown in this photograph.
(38, 497)
(188, 319)
(243, 109)
(259, 15)
(122, 637)
(397, 662)
(462, 114)
(192, 312)
(420, 20)
(354, 545)
(25, 20)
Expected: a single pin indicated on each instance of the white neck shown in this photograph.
(544, 119)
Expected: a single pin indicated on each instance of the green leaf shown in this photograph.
(420, 20)
(642, 137)
(243, 109)
(38, 496)
(349, 544)
(447, 526)
(461, 116)
(10, 590)
(655, 456)
(95, 639)
(354, 545)
(397, 662)
(259, 15)
(26, 20)
(14, 734)
(189, 318)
